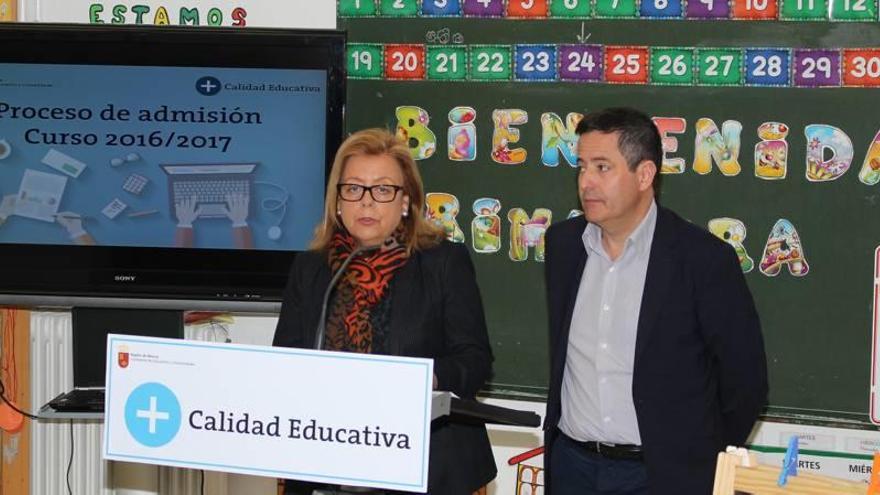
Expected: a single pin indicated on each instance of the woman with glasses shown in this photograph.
(406, 292)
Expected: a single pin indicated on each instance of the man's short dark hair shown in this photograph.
(638, 139)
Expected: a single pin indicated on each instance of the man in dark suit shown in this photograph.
(657, 360)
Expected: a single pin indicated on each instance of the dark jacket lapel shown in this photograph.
(571, 291)
(401, 303)
(661, 268)
(571, 261)
(321, 281)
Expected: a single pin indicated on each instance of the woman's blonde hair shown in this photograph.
(419, 233)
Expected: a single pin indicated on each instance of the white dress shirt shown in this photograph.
(597, 403)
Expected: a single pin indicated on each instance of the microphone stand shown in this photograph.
(322, 323)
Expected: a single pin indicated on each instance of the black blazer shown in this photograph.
(436, 312)
(699, 375)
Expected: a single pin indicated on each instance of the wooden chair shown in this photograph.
(739, 472)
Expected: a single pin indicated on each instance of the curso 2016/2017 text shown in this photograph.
(155, 139)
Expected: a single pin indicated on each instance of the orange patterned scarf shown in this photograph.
(359, 313)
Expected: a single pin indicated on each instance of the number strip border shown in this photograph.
(792, 55)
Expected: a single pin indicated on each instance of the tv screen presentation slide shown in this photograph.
(211, 158)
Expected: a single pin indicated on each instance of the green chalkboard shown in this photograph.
(817, 327)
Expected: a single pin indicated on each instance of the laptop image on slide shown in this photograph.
(210, 184)
(90, 329)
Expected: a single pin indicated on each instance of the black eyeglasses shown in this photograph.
(381, 193)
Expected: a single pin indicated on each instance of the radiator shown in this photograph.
(51, 374)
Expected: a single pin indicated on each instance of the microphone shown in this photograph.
(322, 323)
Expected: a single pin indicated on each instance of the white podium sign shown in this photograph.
(340, 418)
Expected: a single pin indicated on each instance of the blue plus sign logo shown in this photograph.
(208, 86)
(152, 414)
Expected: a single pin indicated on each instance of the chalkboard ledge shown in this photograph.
(830, 419)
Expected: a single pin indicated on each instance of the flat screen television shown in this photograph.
(162, 167)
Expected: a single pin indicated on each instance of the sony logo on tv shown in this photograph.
(124, 278)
